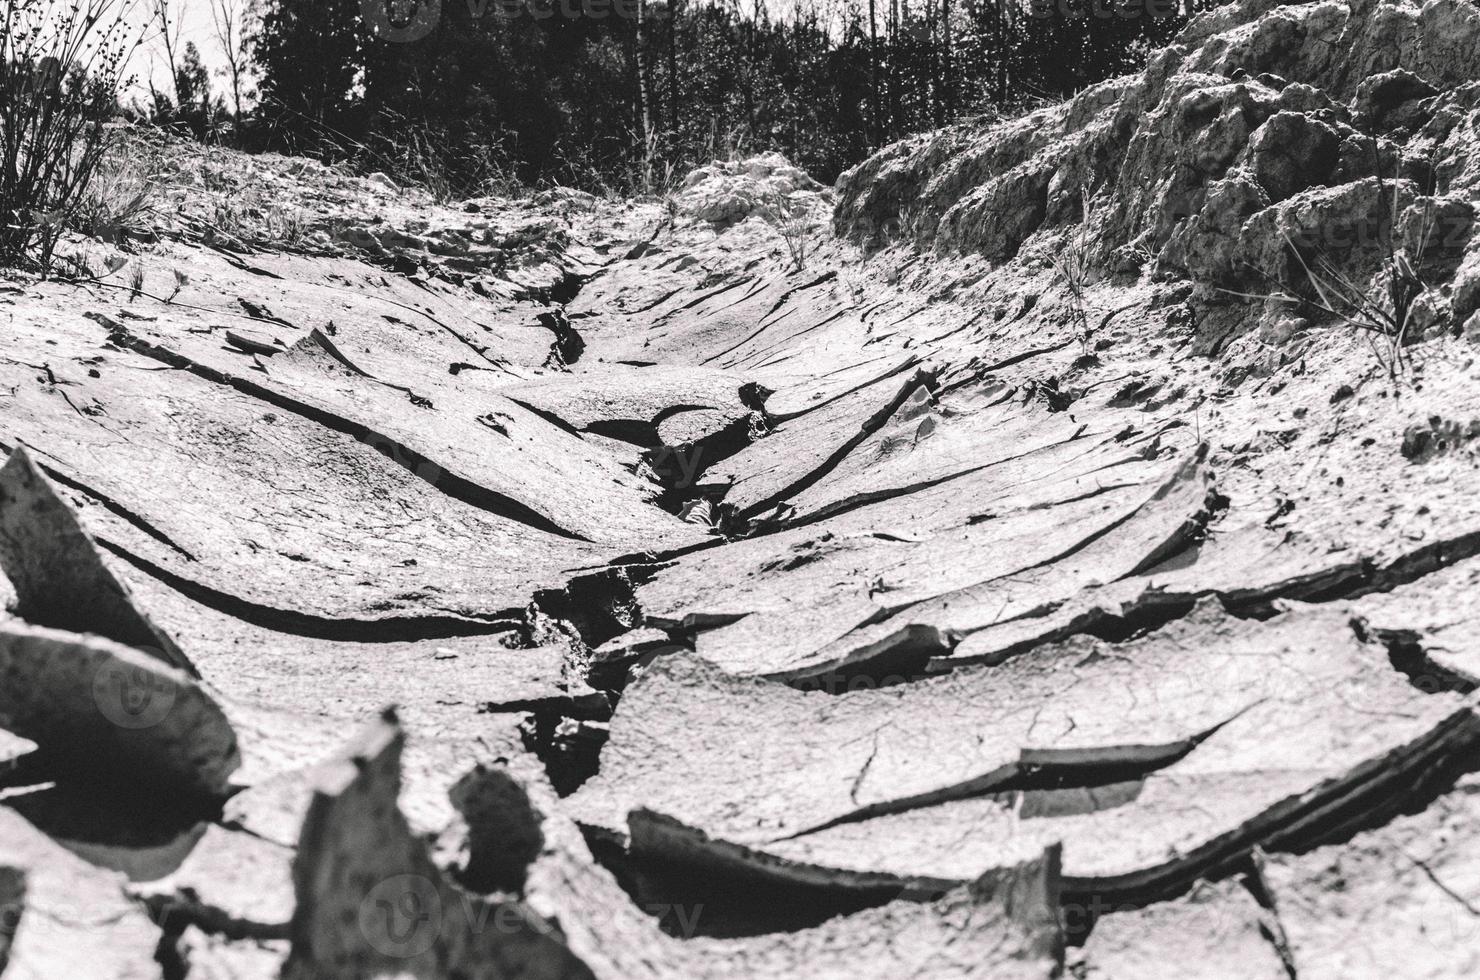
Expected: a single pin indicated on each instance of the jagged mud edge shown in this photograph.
(1367, 795)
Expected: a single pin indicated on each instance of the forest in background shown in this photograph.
(623, 95)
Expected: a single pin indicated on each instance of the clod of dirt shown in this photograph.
(726, 192)
(370, 900)
(1423, 442)
(58, 575)
(110, 712)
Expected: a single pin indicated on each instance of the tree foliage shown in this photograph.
(621, 92)
(309, 54)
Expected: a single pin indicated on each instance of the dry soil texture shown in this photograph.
(566, 588)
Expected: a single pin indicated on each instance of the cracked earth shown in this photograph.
(559, 588)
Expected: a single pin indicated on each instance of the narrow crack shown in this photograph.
(1271, 927)
(1366, 577)
(982, 371)
(171, 913)
(859, 501)
(1153, 609)
(763, 325)
(1409, 658)
(1368, 796)
(923, 377)
(436, 475)
(910, 362)
(388, 630)
(1038, 773)
(113, 506)
(805, 330)
(1438, 883)
(702, 297)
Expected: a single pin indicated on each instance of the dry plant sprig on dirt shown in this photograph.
(118, 204)
(655, 179)
(255, 219)
(795, 223)
(1072, 264)
(1382, 309)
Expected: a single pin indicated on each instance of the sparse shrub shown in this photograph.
(254, 219)
(119, 201)
(1383, 307)
(448, 170)
(1383, 310)
(797, 226)
(1072, 264)
(658, 173)
(60, 66)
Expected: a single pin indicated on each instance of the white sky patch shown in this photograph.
(190, 21)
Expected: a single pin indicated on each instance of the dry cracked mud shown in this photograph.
(563, 588)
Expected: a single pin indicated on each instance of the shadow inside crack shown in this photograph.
(734, 903)
(903, 658)
(1070, 800)
(146, 836)
(568, 748)
(1408, 656)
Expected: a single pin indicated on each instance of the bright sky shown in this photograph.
(190, 20)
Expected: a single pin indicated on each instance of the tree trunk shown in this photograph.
(644, 97)
(932, 66)
(1001, 53)
(947, 78)
(892, 74)
(873, 75)
(673, 67)
(162, 14)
